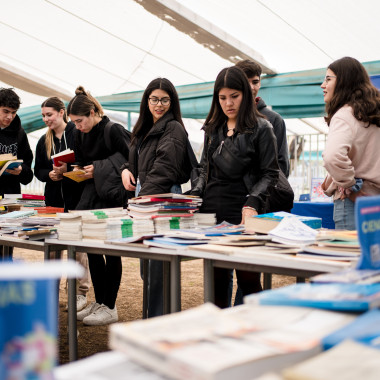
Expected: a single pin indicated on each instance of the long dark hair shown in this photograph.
(234, 78)
(145, 121)
(353, 87)
(57, 104)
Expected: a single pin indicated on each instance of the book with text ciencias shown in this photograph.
(367, 214)
(28, 328)
(334, 296)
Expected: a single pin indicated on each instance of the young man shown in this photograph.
(13, 139)
(253, 72)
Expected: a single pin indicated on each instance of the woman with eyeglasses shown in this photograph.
(157, 162)
(239, 164)
(351, 156)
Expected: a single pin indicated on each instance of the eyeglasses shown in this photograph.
(327, 77)
(163, 101)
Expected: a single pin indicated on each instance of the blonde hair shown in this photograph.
(57, 104)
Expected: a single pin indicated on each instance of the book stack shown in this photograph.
(96, 226)
(264, 223)
(204, 220)
(236, 343)
(169, 211)
(23, 200)
(127, 227)
(70, 226)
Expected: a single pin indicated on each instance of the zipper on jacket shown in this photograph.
(220, 147)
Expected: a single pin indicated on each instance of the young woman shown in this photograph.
(239, 165)
(351, 156)
(95, 148)
(59, 190)
(157, 162)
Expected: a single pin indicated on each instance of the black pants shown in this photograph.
(105, 273)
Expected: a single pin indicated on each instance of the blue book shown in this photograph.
(364, 329)
(29, 316)
(367, 214)
(338, 297)
(13, 164)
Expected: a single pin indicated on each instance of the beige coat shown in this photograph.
(352, 151)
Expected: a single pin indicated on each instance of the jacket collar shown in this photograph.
(160, 125)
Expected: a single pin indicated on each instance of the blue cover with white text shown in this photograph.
(28, 328)
(367, 214)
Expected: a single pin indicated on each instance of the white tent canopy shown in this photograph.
(52, 46)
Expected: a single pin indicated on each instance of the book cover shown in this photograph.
(364, 329)
(238, 343)
(33, 196)
(316, 192)
(266, 222)
(13, 164)
(67, 156)
(339, 297)
(28, 317)
(367, 214)
(4, 158)
(348, 360)
(349, 276)
(76, 175)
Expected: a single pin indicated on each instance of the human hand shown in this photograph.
(89, 171)
(247, 212)
(15, 171)
(128, 180)
(54, 176)
(60, 169)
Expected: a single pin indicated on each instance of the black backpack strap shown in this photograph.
(107, 135)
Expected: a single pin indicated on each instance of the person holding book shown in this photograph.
(97, 144)
(239, 165)
(158, 162)
(351, 156)
(13, 140)
(59, 190)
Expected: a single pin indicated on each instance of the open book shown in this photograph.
(10, 164)
(76, 175)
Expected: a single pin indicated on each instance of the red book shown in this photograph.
(49, 210)
(67, 156)
(33, 196)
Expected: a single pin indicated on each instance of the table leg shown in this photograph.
(145, 266)
(166, 287)
(208, 273)
(300, 280)
(175, 284)
(267, 282)
(72, 311)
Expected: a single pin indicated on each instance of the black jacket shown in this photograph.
(161, 160)
(91, 149)
(279, 129)
(65, 193)
(251, 155)
(13, 139)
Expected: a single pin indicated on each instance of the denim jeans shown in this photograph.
(155, 276)
(344, 214)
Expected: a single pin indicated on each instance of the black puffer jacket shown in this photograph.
(65, 193)
(13, 139)
(251, 155)
(161, 160)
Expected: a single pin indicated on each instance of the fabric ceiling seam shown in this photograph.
(125, 41)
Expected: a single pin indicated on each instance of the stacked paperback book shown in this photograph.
(168, 211)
